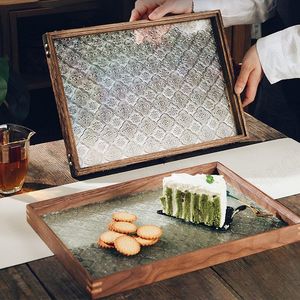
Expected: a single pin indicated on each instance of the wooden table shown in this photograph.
(273, 274)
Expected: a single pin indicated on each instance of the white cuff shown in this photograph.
(279, 54)
(236, 12)
(203, 5)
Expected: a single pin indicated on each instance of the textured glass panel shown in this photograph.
(80, 228)
(135, 92)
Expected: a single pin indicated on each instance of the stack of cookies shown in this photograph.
(126, 237)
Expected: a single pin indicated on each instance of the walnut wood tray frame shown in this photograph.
(64, 114)
(173, 266)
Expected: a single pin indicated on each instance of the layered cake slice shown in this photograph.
(195, 198)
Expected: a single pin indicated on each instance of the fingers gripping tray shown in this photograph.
(135, 92)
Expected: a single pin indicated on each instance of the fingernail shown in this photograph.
(151, 16)
(238, 89)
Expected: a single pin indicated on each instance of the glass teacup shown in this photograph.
(14, 155)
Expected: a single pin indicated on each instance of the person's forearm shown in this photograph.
(236, 12)
(279, 54)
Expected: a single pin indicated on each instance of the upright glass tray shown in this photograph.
(71, 226)
(135, 92)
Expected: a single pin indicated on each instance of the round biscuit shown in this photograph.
(124, 227)
(124, 216)
(110, 226)
(104, 245)
(145, 242)
(149, 232)
(109, 237)
(127, 245)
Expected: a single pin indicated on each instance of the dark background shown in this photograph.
(22, 27)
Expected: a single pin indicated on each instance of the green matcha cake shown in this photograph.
(198, 199)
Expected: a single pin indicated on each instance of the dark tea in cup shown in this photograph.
(14, 147)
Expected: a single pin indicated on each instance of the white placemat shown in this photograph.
(273, 167)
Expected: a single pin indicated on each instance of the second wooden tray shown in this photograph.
(71, 226)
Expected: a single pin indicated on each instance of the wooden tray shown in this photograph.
(135, 92)
(71, 225)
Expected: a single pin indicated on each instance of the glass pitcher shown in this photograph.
(14, 150)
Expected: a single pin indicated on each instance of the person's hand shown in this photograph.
(156, 9)
(250, 76)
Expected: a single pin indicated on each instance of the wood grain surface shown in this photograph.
(272, 274)
(16, 2)
(19, 283)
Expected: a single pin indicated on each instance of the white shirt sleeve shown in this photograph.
(279, 54)
(237, 12)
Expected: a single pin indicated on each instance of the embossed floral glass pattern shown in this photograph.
(80, 228)
(135, 92)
